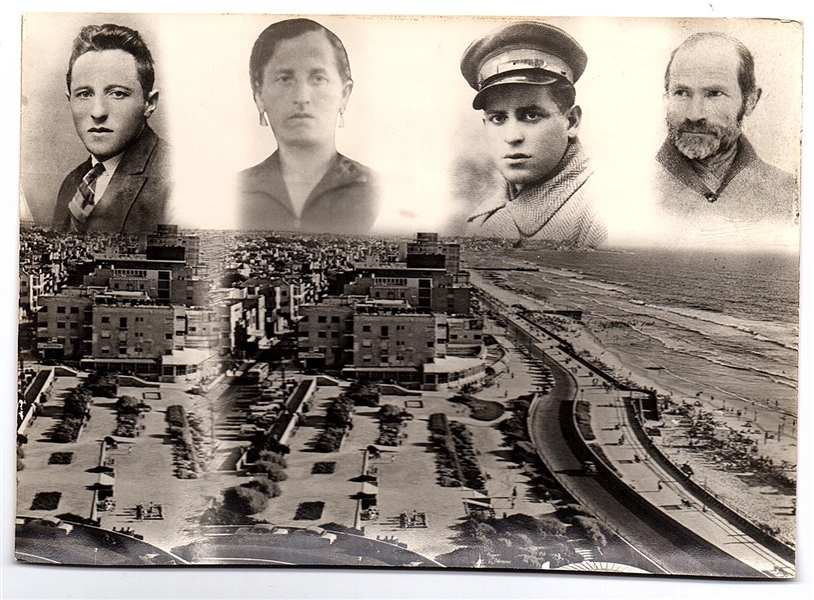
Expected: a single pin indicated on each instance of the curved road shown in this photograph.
(666, 548)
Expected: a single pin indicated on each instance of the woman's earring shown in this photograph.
(341, 119)
(264, 119)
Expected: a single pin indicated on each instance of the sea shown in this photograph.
(720, 324)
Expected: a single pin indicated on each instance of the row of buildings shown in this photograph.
(141, 308)
(364, 309)
(408, 321)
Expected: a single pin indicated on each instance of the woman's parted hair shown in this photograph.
(267, 42)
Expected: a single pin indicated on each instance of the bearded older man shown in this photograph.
(708, 170)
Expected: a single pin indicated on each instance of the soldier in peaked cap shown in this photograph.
(524, 75)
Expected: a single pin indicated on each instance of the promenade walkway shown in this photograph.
(609, 422)
(660, 489)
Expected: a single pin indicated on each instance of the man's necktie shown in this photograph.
(83, 202)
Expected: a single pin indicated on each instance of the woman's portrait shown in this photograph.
(301, 83)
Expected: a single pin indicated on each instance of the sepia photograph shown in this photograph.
(515, 294)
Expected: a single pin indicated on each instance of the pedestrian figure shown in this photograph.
(659, 485)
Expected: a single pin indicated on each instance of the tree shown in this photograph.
(390, 413)
(265, 486)
(101, 383)
(127, 405)
(273, 471)
(592, 529)
(244, 500)
(273, 457)
(339, 412)
(363, 394)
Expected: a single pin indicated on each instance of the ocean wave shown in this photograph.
(724, 321)
(731, 322)
(716, 358)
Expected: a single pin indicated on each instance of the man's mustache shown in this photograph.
(699, 127)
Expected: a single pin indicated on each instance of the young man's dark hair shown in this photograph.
(97, 38)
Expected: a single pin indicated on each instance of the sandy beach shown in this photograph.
(773, 428)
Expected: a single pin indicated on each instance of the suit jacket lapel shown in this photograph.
(62, 216)
(127, 181)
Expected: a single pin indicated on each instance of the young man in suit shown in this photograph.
(123, 187)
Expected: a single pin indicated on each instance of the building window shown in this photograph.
(321, 334)
(334, 334)
(105, 335)
(74, 325)
(322, 319)
(168, 336)
(366, 343)
(105, 319)
(61, 310)
(430, 344)
(385, 331)
(74, 310)
(365, 328)
(334, 319)
(105, 350)
(123, 322)
(61, 325)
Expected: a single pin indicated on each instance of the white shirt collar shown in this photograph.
(110, 164)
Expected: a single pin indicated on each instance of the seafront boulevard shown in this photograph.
(629, 468)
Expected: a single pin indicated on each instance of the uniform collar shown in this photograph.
(571, 172)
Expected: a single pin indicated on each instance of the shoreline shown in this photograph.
(760, 415)
(740, 490)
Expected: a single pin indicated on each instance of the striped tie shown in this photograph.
(83, 203)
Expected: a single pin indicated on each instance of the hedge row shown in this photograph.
(74, 414)
(456, 462)
(391, 424)
(186, 440)
(330, 440)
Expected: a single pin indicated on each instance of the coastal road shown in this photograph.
(667, 549)
(669, 545)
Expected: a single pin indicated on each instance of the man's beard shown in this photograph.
(699, 140)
